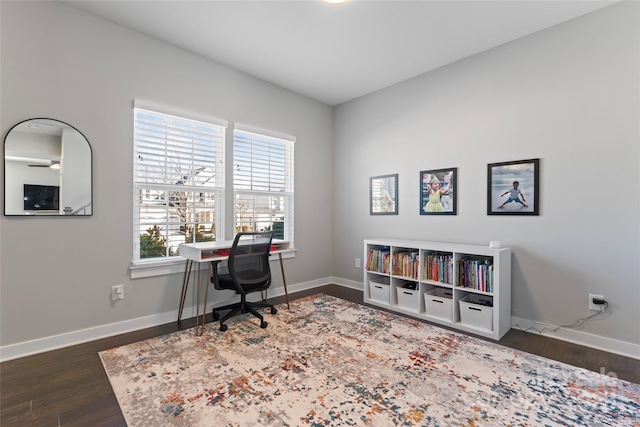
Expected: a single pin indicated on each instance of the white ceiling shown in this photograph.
(335, 53)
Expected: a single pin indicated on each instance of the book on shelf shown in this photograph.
(475, 273)
(378, 260)
(438, 267)
(406, 264)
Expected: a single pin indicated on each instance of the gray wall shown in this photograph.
(568, 95)
(56, 273)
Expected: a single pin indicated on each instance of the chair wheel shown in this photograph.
(223, 328)
(273, 310)
(263, 324)
(216, 315)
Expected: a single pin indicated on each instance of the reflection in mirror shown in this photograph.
(47, 169)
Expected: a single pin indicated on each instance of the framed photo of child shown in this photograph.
(383, 195)
(438, 191)
(513, 188)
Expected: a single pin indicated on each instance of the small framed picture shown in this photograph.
(438, 192)
(383, 195)
(512, 188)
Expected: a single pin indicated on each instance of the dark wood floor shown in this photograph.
(68, 387)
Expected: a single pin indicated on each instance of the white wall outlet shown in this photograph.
(357, 262)
(595, 307)
(117, 292)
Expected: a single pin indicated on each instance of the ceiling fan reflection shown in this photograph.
(54, 164)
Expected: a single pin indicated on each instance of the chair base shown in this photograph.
(242, 307)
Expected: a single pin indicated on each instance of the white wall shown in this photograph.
(76, 172)
(569, 96)
(56, 273)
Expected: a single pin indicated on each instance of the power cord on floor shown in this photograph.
(577, 324)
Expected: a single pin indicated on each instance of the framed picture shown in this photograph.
(512, 188)
(383, 195)
(438, 192)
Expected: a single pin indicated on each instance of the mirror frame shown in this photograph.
(47, 215)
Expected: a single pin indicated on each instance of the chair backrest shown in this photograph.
(249, 260)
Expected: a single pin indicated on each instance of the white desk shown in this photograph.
(213, 253)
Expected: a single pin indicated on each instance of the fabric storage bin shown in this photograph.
(408, 298)
(438, 302)
(379, 292)
(477, 311)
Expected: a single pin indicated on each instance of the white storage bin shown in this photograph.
(477, 311)
(408, 298)
(379, 292)
(438, 302)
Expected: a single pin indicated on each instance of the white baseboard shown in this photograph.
(27, 348)
(599, 342)
(41, 345)
(346, 283)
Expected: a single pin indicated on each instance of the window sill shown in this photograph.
(140, 269)
(163, 267)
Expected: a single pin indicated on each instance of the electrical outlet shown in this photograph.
(117, 292)
(595, 307)
(357, 262)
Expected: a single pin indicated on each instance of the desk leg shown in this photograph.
(185, 286)
(200, 320)
(284, 280)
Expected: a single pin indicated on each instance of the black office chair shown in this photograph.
(249, 271)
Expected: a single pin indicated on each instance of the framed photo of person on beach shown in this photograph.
(383, 195)
(438, 192)
(513, 188)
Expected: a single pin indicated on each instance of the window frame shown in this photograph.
(196, 186)
(288, 181)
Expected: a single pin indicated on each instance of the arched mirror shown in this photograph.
(47, 170)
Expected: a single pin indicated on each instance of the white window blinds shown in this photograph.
(178, 182)
(175, 151)
(263, 183)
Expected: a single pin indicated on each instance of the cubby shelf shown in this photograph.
(466, 287)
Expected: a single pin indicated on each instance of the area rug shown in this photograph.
(329, 362)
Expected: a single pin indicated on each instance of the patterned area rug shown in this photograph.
(329, 362)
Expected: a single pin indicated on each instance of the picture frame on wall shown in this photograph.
(438, 191)
(383, 195)
(513, 188)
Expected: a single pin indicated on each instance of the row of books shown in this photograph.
(438, 267)
(475, 273)
(378, 260)
(406, 264)
(471, 272)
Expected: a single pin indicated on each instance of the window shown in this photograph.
(178, 183)
(263, 184)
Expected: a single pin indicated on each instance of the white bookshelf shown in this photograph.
(477, 301)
